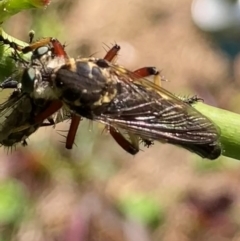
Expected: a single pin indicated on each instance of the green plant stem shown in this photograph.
(4, 35)
(229, 124)
(7, 64)
(9, 8)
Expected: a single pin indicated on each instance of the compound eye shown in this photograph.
(39, 52)
(28, 78)
(102, 63)
(58, 83)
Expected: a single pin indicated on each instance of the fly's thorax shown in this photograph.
(44, 58)
(84, 82)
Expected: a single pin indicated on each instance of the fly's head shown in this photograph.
(44, 57)
(33, 84)
(35, 77)
(41, 54)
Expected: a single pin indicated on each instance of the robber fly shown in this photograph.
(102, 91)
(123, 100)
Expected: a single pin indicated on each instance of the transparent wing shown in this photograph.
(147, 110)
(13, 113)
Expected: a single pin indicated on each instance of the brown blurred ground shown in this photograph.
(151, 33)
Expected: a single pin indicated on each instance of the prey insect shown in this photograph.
(102, 91)
(17, 115)
(23, 113)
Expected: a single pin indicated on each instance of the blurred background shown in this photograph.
(96, 191)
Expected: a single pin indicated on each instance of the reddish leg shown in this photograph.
(112, 53)
(53, 107)
(148, 71)
(75, 120)
(58, 49)
(127, 145)
(35, 45)
(145, 72)
(123, 142)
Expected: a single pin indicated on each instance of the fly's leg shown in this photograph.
(112, 53)
(149, 71)
(31, 47)
(191, 100)
(75, 121)
(58, 49)
(53, 107)
(9, 83)
(147, 143)
(129, 146)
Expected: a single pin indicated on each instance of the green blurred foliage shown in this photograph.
(143, 208)
(13, 201)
